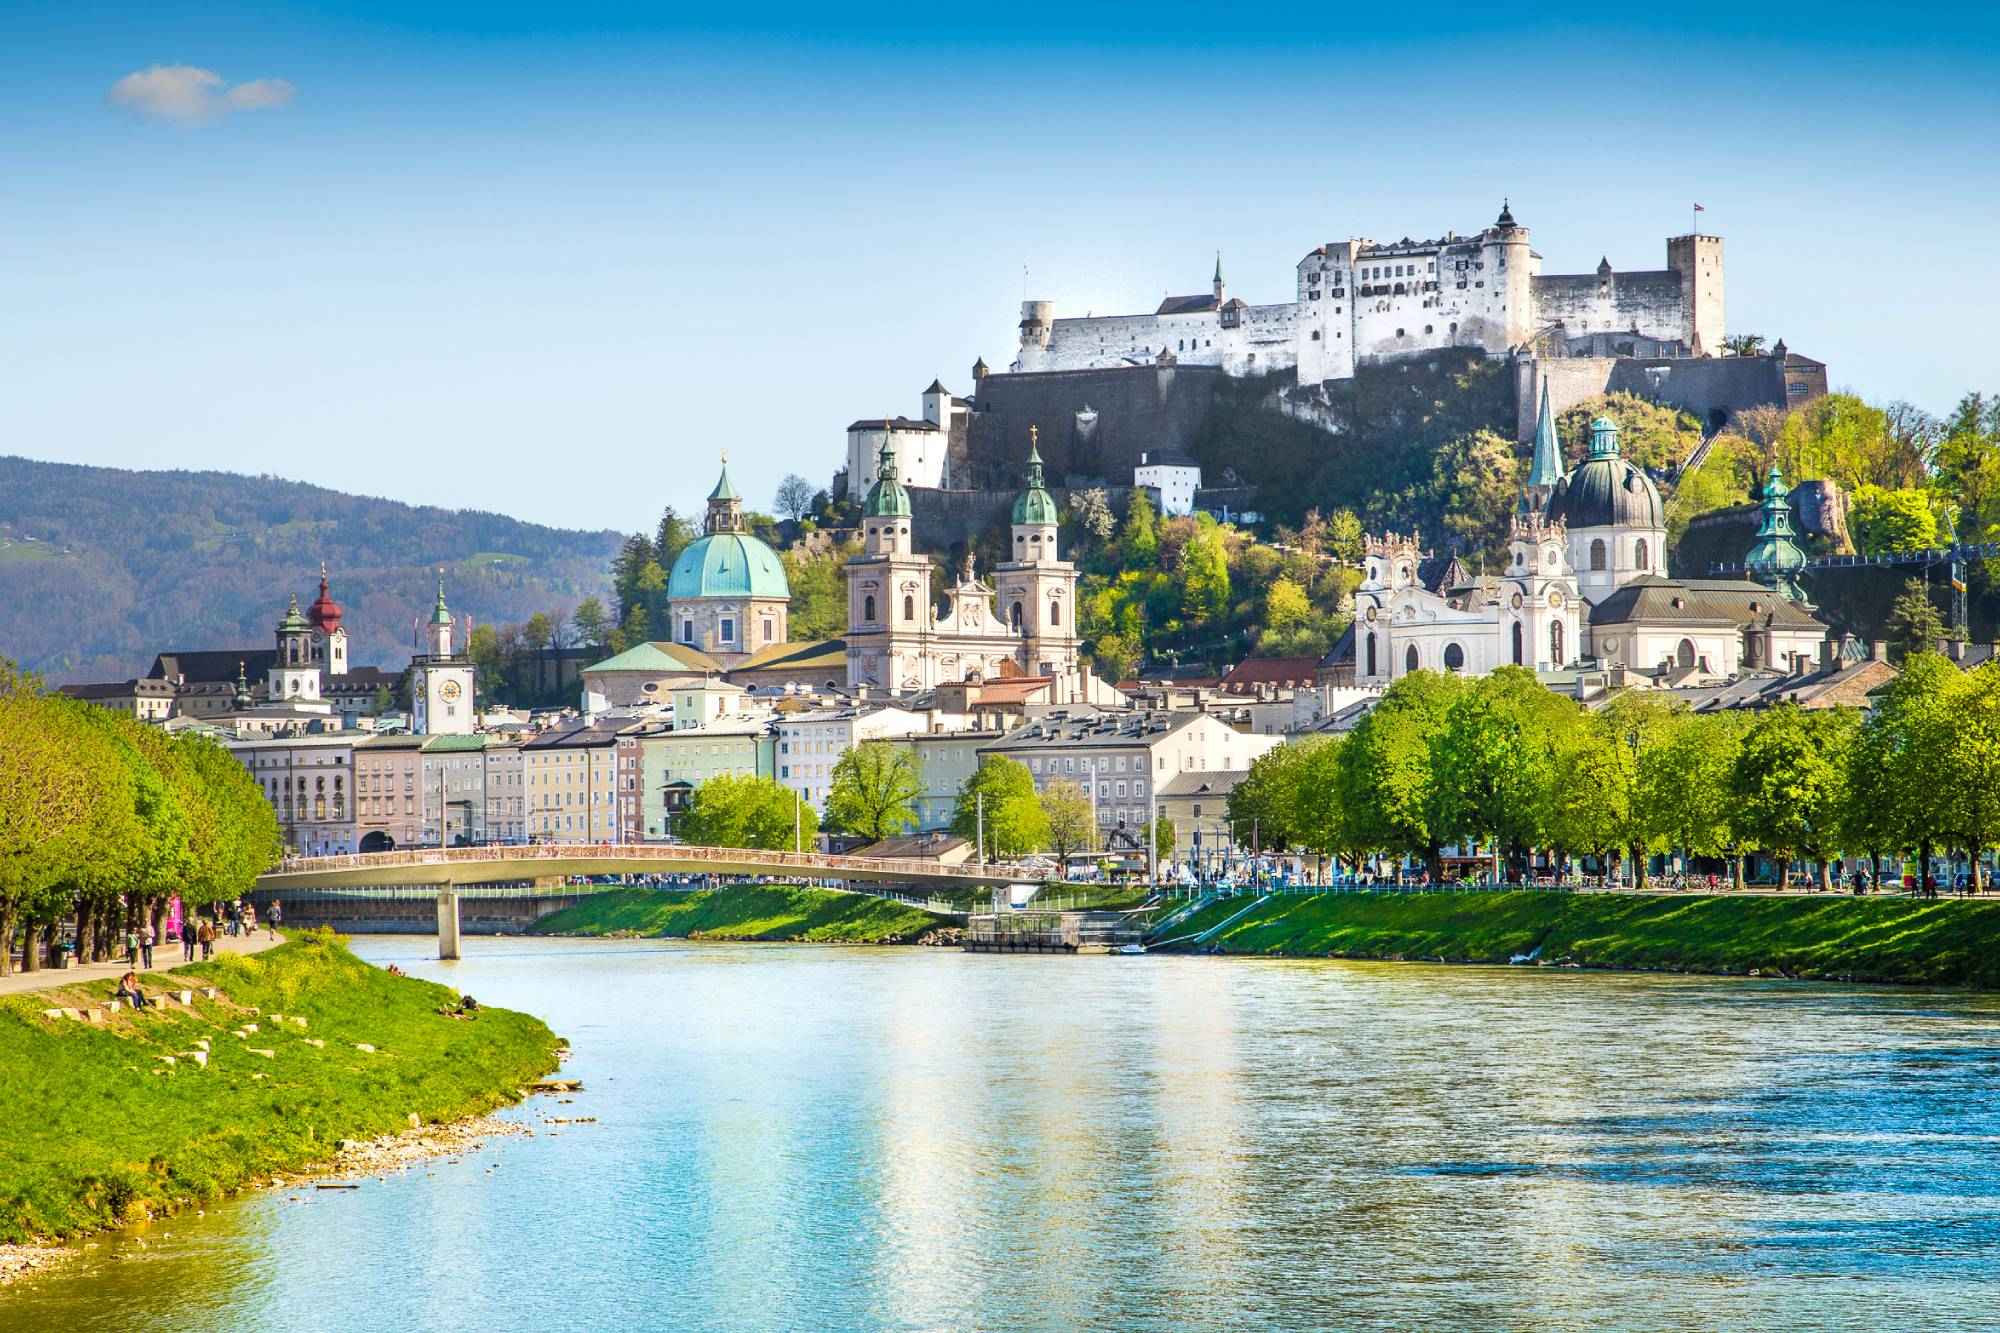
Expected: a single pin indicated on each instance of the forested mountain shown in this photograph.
(100, 568)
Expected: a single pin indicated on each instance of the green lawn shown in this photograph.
(746, 912)
(1945, 942)
(96, 1132)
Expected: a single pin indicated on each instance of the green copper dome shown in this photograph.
(1035, 505)
(727, 564)
(887, 498)
(294, 622)
(1775, 560)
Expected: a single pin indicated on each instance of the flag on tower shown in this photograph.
(1699, 209)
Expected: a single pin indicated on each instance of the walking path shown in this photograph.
(165, 957)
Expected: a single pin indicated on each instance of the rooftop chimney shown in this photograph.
(1878, 650)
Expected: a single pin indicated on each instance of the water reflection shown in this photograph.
(915, 1139)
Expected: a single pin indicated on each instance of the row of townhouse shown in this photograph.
(349, 792)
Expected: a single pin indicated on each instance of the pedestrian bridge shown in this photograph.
(547, 863)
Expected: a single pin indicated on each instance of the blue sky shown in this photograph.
(551, 260)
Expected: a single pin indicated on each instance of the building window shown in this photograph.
(1556, 643)
(868, 608)
(909, 607)
(1454, 657)
(1017, 617)
(1686, 653)
(1639, 554)
(687, 631)
(1371, 652)
(1410, 659)
(1517, 643)
(1597, 553)
(1055, 613)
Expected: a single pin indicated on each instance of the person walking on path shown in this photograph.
(206, 935)
(249, 920)
(190, 932)
(146, 944)
(276, 918)
(131, 947)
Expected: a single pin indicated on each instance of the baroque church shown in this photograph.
(1585, 582)
(728, 602)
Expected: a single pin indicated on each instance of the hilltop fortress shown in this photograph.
(1360, 302)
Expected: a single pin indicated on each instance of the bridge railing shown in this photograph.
(680, 854)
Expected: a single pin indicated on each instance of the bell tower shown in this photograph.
(1037, 588)
(888, 592)
(441, 683)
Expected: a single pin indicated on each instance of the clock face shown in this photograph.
(449, 690)
(1517, 601)
(1371, 615)
(1555, 599)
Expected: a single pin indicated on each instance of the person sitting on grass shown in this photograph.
(128, 991)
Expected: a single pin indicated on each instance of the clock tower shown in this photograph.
(441, 681)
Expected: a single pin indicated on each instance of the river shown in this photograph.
(799, 1137)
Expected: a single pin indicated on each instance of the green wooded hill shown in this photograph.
(1945, 942)
(101, 568)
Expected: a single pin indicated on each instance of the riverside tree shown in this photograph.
(737, 810)
(1014, 822)
(1067, 814)
(873, 791)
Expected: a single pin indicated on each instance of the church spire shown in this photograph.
(1218, 275)
(1547, 468)
(725, 506)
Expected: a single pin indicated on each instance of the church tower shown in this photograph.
(1775, 560)
(1541, 617)
(441, 683)
(329, 638)
(1038, 590)
(888, 592)
(295, 675)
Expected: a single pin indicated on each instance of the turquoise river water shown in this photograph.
(799, 1137)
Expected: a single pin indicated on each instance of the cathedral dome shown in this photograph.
(1035, 506)
(727, 564)
(1605, 491)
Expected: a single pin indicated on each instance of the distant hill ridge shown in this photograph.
(101, 568)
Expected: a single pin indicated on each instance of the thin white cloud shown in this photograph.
(190, 95)
(262, 94)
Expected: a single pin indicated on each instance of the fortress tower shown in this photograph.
(1698, 259)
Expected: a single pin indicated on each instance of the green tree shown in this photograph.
(1266, 804)
(1092, 512)
(1970, 782)
(1014, 822)
(1788, 784)
(1066, 812)
(1286, 607)
(593, 626)
(633, 556)
(1913, 622)
(1388, 770)
(738, 810)
(1204, 574)
(673, 536)
(874, 791)
(539, 632)
(1344, 536)
(1744, 344)
(652, 593)
(1139, 540)
(1884, 521)
(1495, 762)
(1682, 786)
(1896, 763)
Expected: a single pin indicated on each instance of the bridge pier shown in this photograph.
(447, 907)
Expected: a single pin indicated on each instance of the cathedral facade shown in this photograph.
(1022, 623)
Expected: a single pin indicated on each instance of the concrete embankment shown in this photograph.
(749, 912)
(1945, 942)
(244, 1069)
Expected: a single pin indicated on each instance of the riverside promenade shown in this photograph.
(165, 959)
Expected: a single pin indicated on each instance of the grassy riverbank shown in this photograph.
(100, 1129)
(746, 912)
(1947, 942)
